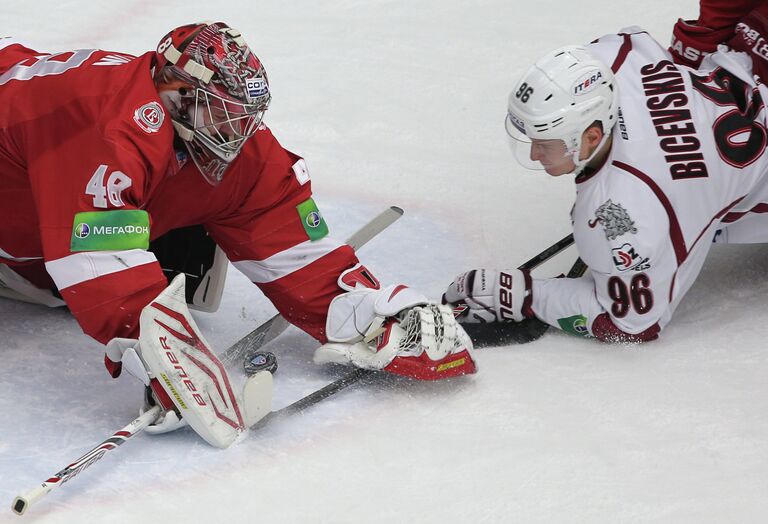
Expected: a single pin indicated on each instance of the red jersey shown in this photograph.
(84, 140)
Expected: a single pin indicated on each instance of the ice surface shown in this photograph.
(396, 102)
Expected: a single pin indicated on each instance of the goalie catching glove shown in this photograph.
(487, 295)
(184, 376)
(394, 329)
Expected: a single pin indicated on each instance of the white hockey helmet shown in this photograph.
(555, 101)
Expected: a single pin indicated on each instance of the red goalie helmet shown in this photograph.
(215, 89)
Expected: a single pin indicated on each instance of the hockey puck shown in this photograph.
(260, 361)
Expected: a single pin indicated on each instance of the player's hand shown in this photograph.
(395, 329)
(124, 353)
(488, 295)
(423, 342)
(691, 42)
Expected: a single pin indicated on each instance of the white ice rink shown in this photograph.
(402, 102)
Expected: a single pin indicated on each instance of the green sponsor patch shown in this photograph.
(110, 230)
(575, 325)
(312, 220)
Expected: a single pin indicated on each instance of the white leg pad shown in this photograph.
(175, 353)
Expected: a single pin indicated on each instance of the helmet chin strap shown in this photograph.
(581, 164)
(171, 99)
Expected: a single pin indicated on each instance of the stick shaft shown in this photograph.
(273, 327)
(24, 501)
(548, 253)
(358, 374)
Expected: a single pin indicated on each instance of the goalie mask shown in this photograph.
(551, 106)
(216, 91)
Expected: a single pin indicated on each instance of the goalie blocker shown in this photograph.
(186, 378)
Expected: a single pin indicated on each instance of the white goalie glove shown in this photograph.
(394, 329)
(185, 377)
(487, 295)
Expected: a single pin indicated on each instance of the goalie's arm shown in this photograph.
(104, 278)
(280, 241)
(296, 273)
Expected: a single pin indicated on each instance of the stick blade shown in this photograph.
(505, 333)
(257, 397)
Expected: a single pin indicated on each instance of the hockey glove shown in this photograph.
(692, 42)
(487, 295)
(123, 353)
(394, 329)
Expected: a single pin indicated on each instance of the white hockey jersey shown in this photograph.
(688, 157)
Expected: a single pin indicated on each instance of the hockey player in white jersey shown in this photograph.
(666, 158)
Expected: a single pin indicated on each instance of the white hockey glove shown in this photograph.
(397, 330)
(123, 353)
(185, 377)
(487, 295)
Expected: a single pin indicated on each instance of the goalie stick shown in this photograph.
(273, 327)
(257, 338)
(24, 501)
(358, 374)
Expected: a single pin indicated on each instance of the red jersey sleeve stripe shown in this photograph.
(733, 217)
(624, 50)
(675, 231)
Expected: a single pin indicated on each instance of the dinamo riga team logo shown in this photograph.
(82, 230)
(614, 219)
(313, 219)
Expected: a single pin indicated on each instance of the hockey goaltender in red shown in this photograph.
(102, 153)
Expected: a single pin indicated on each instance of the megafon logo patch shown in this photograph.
(149, 117)
(587, 83)
(82, 230)
(116, 230)
(580, 325)
(575, 325)
(314, 219)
